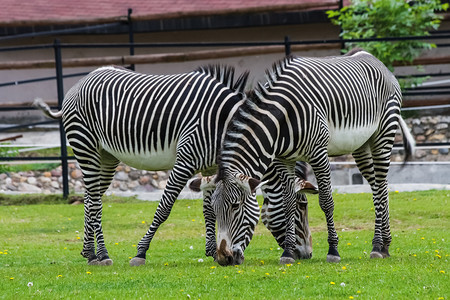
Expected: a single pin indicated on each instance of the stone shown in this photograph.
(56, 173)
(429, 131)
(44, 179)
(421, 138)
(47, 174)
(28, 188)
(443, 151)
(76, 174)
(162, 184)
(3, 176)
(122, 176)
(441, 126)
(55, 184)
(31, 180)
(133, 184)
(418, 130)
(162, 174)
(143, 180)
(123, 187)
(437, 138)
(12, 187)
(134, 174)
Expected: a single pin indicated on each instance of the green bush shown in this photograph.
(389, 18)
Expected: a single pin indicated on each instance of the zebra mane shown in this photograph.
(225, 75)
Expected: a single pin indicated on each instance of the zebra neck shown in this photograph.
(249, 152)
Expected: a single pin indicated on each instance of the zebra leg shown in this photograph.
(382, 238)
(98, 174)
(210, 225)
(177, 180)
(321, 167)
(364, 161)
(108, 169)
(272, 213)
(286, 175)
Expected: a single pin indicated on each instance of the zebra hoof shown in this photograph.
(333, 258)
(93, 262)
(286, 260)
(375, 254)
(137, 261)
(105, 262)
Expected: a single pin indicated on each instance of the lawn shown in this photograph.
(40, 246)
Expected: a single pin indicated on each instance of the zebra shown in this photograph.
(151, 122)
(272, 213)
(311, 109)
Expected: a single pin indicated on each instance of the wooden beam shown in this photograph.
(160, 58)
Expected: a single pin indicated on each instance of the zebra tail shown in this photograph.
(46, 109)
(408, 140)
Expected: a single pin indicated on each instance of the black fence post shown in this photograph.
(287, 46)
(62, 134)
(131, 36)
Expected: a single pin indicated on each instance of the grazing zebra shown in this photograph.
(151, 122)
(272, 213)
(310, 109)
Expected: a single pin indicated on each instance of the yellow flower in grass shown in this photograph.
(351, 297)
(344, 268)
(442, 271)
(60, 276)
(89, 273)
(332, 283)
(267, 274)
(213, 267)
(143, 222)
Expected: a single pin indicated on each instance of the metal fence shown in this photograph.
(286, 43)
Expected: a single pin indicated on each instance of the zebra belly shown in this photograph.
(150, 161)
(347, 140)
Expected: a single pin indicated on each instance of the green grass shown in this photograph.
(40, 244)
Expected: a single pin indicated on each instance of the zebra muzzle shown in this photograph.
(224, 255)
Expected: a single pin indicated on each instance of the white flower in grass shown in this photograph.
(342, 284)
(200, 260)
(30, 284)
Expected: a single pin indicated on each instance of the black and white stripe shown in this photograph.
(152, 122)
(310, 109)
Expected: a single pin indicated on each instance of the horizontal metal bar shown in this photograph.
(225, 44)
(426, 107)
(26, 125)
(18, 82)
(34, 158)
(424, 75)
(429, 87)
(425, 93)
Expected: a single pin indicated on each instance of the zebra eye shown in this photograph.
(234, 205)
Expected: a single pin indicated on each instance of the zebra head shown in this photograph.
(237, 213)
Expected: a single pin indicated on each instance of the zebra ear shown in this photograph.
(305, 187)
(248, 183)
(202, 184)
